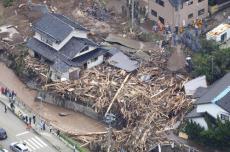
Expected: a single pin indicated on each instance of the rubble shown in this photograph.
(142, 109)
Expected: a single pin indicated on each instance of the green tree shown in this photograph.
(7, 3)
(193, 130)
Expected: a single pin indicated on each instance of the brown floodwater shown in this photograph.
(75, 122)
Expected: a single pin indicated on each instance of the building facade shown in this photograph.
(177, 12)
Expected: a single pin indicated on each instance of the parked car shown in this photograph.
(3, 150)
(18, 147)
(3, 134)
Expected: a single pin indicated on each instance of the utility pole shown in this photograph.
(109, 118)
(132, 13)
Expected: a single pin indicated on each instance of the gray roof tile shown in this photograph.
(70, 22)
(214, 90)
(194, 114)
(53, 27)
(224, 102)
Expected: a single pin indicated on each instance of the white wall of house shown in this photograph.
(76, 33)
(201, 121)
(212, 109)
(92, 63)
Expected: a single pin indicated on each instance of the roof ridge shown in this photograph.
(62, 21)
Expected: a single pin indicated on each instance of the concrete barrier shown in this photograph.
(72, 105)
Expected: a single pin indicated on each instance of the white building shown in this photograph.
(220, 34)
(64, 43)
(215, 102)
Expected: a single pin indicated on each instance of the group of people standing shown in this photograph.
(9, 93)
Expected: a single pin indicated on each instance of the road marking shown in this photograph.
(23, 133)
(41, 141)
(34, 144)
(30, 147)
(37, 142)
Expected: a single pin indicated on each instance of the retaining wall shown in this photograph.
(72, 105)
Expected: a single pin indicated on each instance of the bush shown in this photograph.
(214, 64)
(7, 3)
(217, 135)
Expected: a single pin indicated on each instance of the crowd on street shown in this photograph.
(29, 120)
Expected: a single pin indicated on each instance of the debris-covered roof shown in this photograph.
(214, 90)
(53, 27)
(120, 60)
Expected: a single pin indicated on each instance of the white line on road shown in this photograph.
(34, 144)
(30, 147)
(23, 133)
(41, 141)
(37, 142)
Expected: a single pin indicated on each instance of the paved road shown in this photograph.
(16, 131)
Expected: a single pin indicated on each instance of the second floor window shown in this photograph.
(160, 2)
(190, 16)
(200, 1)
(47, 41)
(224, 117)
(154, 13)
(201, 12)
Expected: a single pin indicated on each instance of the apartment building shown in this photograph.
(177, 12)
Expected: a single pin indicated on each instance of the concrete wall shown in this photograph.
(201, 121)
(173, 17)
(212, 109)
(76, 33)
(91, 63)
(52, 99)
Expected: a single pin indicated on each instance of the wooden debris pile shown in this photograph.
(145, 102)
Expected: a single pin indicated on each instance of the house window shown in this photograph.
(224, 117)
(200, 1)
(161, 19)
(154, 13)
(190, 16)
(49, 42)
(160, 2)
(201, 12)
(94, 59)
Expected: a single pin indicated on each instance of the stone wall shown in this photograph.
(72, 105)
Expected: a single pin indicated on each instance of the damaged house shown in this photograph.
(64, 44)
